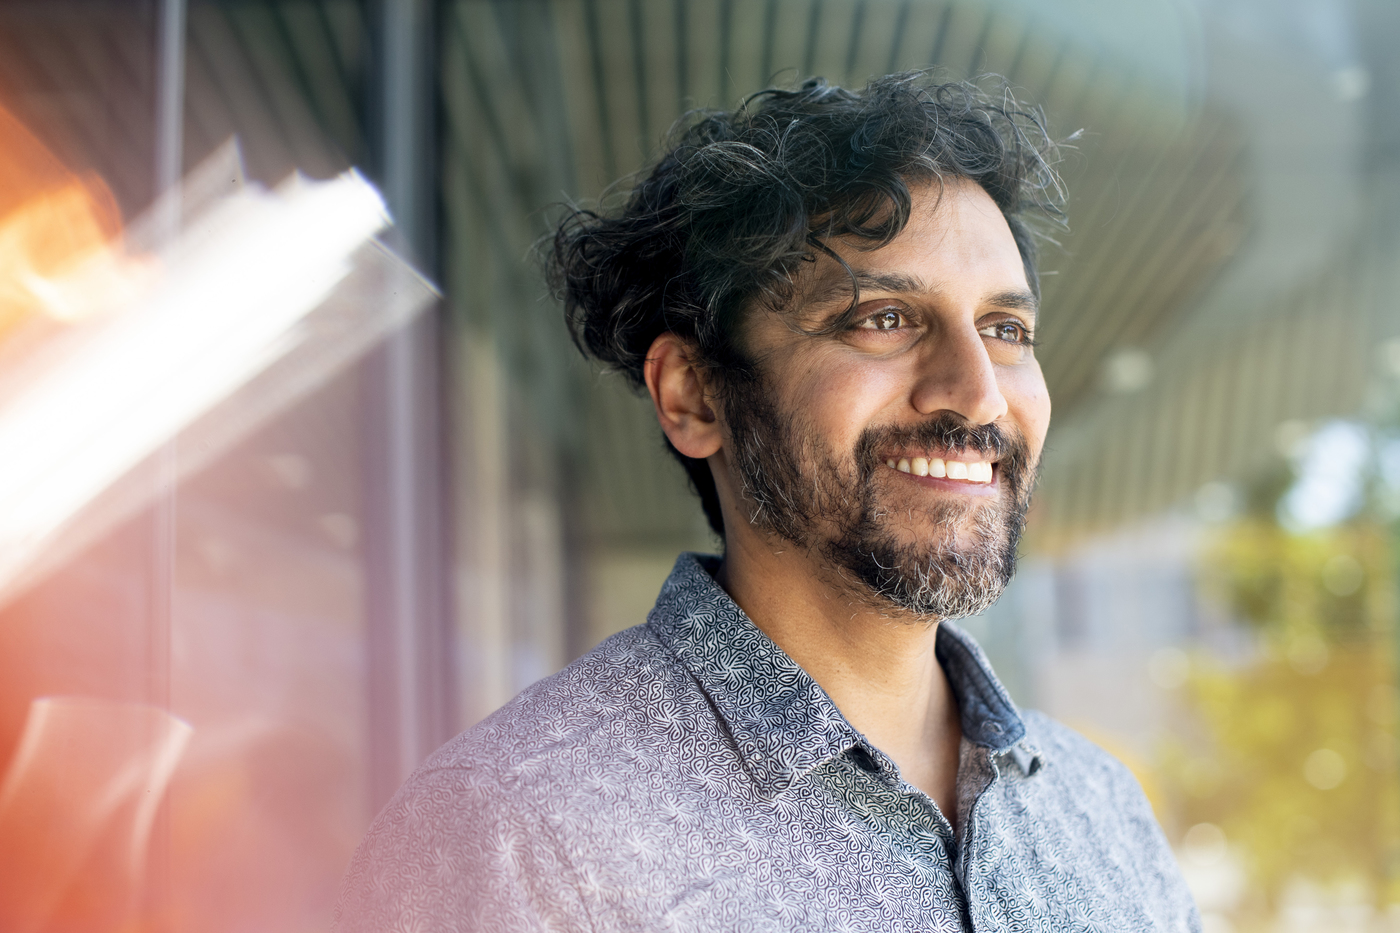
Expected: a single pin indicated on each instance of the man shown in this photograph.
(831, 298)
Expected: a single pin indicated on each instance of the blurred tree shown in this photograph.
(1291, 749)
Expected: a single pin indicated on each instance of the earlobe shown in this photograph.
(678, 391)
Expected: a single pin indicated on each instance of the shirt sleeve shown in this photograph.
(446, 856)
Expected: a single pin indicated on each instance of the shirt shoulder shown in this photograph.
(1091, 784)
(1104, 829)
(618, 688)
(1067, 747)
(482, 835)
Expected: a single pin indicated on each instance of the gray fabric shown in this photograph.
(688, 775)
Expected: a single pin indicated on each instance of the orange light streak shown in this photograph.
(60, 236)
(260, 298)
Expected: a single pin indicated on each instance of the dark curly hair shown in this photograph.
(740, 199)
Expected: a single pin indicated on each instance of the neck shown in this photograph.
(878, 667)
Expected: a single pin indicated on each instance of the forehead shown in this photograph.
(956, 240)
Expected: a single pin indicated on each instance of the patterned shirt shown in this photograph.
(689, 775)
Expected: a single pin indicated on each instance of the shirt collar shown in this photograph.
(783, 723)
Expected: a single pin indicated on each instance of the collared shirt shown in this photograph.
(689, 775)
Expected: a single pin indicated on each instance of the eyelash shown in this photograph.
(1027, 339)
(870, 318)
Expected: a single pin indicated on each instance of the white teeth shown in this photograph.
(979, 471)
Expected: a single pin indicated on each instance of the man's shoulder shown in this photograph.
(1094, 834)
(464, 833)
(1075, 759)
(617, 692)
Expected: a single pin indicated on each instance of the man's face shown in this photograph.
(902, 449)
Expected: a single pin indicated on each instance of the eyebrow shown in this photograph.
(839, 285)
(1016, 301)
(899, 283)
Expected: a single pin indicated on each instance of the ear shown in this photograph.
(678, 390)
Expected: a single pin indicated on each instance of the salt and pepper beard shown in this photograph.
(799, 489)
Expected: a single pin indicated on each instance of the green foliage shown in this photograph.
(1292, 751)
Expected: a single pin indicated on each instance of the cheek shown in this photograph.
(846, 399)
(1028, 401)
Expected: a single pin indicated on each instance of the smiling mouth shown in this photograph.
(969, 471)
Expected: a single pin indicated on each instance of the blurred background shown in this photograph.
(222, 654)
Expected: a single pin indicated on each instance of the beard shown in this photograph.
(841, 506)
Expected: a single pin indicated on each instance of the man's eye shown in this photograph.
(1009, 331)
(885, 319)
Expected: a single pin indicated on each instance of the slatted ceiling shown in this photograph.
(1221, 394)
(262, 37)
(902, 36)
(614, 413)
(531, 36)
(630, 118)
(210, 82)
(500, 113)
(1160, 444)
(653, 65)
(473, 231)
(1064, 90)
(542, 100)
(252, 39)
(80, 77)
(1029, 51)
(1134, 451)
(911, 36)
(1144, 248)
(320, 43)
(997, 42)
(467, 228)
(54, 66)
(616, 68)
(100, 62)
(498, 173)
(212, 49)
(1194, 401)
(827, 33)
(596, 75)
(496, 157)
(579, 102)
(496, 148)
(651, 71)
(1350, 363)
(1231, 439)
(1125, 462)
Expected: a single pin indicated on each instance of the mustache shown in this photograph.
(945, 430)
(952, 432)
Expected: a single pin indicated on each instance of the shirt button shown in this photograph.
(863, 760)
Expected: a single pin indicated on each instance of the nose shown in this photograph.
(956, 374)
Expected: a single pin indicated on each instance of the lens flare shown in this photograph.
(76, 808)
(115, 340)
(112, 353)
(61, 252)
